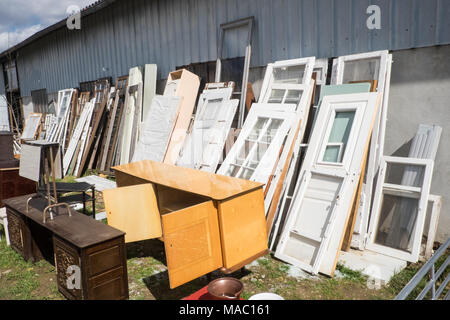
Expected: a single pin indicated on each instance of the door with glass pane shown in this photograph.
(254, 154)
(400, 207)
(324, 191)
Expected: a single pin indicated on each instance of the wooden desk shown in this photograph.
(207, 221)
(96, 249)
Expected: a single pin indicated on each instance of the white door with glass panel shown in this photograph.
(324, 189)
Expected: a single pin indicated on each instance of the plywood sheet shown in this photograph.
(134, 210)
(192, 243)
(30, 163)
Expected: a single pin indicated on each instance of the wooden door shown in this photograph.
(192, 242)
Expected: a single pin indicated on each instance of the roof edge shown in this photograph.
(96, 6)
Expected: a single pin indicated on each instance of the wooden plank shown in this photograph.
(99, 109)
(187, 88)
(355, 208)
(135, 79)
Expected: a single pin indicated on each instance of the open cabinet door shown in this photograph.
(134, 210)
(192, 242)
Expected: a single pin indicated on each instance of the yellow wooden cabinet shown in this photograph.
(207, 221)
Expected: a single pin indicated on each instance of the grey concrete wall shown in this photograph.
(420, 93)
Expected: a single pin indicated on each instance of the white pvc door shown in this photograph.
(321, 201)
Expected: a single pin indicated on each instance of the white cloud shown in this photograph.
(22, 18)
(9, 39)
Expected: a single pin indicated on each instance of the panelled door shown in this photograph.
(323, 194)
(203, 147)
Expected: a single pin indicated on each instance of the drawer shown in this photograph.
(112, 285)
(104, 257)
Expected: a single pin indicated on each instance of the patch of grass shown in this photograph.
(399, 280)
(351, 274)
(67, 179)
(19, 279)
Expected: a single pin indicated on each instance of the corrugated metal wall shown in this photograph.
(171, 33)
(2, 83)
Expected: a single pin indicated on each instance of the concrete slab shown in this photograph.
(374, 265)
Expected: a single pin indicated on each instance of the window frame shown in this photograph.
(422, 193)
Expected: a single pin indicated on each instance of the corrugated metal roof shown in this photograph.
(171, 33)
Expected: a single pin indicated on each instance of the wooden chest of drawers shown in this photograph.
(89, 256)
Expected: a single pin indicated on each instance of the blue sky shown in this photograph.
(20, 19)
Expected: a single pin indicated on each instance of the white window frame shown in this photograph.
(377, 143)
(329, 244)
(352, 137)
(322, 65)
(421, 193)
(268, 83)
(432, 228)
(302, 113)
(284, 112)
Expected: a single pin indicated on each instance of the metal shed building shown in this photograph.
(117, 34)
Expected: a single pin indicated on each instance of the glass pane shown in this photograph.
(276, 96)
(246, 174)
(244, 152)
(293, 96)
(256, 130)
(293, 74)
(232, 170)
(332, 153)
(405, 175)
(272, 130)
(210, 113)
(397, 222)
(258, 155)
(360, 70)
(340, 132)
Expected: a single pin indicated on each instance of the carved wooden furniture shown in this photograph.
(207, 221)
(94, 252)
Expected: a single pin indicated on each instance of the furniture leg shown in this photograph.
(93, 201)
(84, 202)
